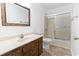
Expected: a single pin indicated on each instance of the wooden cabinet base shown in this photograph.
(34, 48)
(40, 46)
(31, 49)
(15, 52)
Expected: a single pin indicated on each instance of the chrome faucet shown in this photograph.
(21, 36)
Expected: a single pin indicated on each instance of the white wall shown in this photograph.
(37, 18)
(75, 30)
(12, 30)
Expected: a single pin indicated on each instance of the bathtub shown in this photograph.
(56, 42)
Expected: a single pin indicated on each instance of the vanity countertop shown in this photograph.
(10, 44)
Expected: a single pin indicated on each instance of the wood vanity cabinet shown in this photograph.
(34, 48)
(40, 46)
(31, 49)
(15, 52)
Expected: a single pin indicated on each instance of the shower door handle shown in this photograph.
(76, 38)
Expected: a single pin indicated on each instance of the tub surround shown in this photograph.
(61, 43)
(57, 42)
(16, 43)
(59, 51)
(57, 47)
(60, 48)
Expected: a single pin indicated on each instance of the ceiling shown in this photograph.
(48, 5)
(53, 5)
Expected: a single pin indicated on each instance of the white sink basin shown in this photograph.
(28, 37)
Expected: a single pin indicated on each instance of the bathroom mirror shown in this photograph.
(14, 14)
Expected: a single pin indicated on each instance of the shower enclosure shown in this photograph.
(57, 29)
(58, 26)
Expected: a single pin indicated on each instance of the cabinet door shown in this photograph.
(40, 48)
(15, 52)
(31, 49)
(27, 49)
(34, 51)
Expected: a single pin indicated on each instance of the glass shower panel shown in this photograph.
(62, 26)
(49, 27)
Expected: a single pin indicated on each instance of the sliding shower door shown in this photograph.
(49, 27)
(58, 26)
(62, 26)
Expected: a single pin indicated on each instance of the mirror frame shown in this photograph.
(4, 18)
